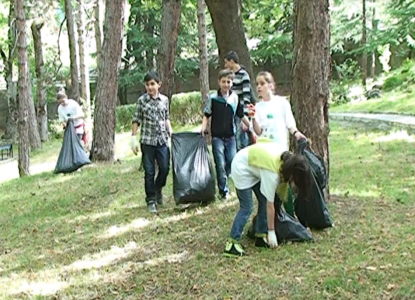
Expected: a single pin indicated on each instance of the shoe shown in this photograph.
(233, 249)
(261, 242)
(152, 208)
(224, 196)
(159, 198)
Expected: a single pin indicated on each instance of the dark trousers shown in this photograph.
(151, 155)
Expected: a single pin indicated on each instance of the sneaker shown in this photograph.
(224, 196)
(159, 198)
(233, 249)
(261, 242)
(152, 208)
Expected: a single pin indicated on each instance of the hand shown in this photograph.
(203, 131)
(251, 110)
(170, 132)
(299, 136)
(272, 239)
(134, 146)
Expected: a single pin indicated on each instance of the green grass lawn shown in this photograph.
(88, 235)
(395, 102)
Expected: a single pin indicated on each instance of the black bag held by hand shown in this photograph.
(193, 177)
(72, 155)
(312, 212)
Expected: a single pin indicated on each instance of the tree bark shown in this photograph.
(25, 97)
(11, 132)
(74, 85)
(42, 112)
(107, 86)
(363, 44)
(170, 25)
(149, 29)
(229, 30)
(310, 73)
(98, 26)
(85, 92)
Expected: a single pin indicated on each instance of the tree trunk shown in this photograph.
(170, 24)
(74, 85)
(310, 73)
(98, 29)
(229, 30)
(42, 113)
(363, 44)
(107, 86)
(85, 92)
(149, 29)
(11, 94)
(25, 96)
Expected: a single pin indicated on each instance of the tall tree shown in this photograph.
(98, 26)
(85, 92)
(229, 30)
(13, 114)
(42, 112)
(203, 50)
(170, 25)
(70, 24)
(106, 92)
(310, 72)
(363, 44)
(24, 89)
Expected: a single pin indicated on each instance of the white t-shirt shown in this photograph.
(72, 108)
(275, 118)
(245, 176)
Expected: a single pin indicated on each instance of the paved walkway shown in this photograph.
(389, 118)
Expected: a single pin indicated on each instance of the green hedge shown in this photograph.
(185, 109)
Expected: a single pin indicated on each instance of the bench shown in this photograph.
(8, 148)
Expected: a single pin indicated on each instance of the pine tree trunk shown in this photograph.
(85, 92)
(203, 51)
(11, 132)
(98, 26)
(149, 29)
(74, 85)
(310, 73)
(229, 30)
(170, 25)
(107, 86)
(24, 90)
(42, 113)
(363, 44)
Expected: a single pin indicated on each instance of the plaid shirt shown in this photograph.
(152, 115)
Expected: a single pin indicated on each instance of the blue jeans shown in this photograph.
(224, 149)
(246, 206)
(241, 136)
(151, 155)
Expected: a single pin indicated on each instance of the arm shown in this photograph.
(134, 126)
(79, 113)
(290, 122)
(204, 124)
(269, 182)
(207, 113)
(246, 91)
(270, 215)
(168, 127)
(257, 127)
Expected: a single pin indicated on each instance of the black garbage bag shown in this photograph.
(287, 228)
(193, 176)
(72, 155)
(312, 211)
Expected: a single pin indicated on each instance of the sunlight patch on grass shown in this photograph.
(398, 135)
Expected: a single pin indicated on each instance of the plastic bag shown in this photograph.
(193, 176)
(287, 228)
(72, 155)
(316, 162)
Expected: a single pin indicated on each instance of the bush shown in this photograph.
(56, 130)
(394, 82)
(185, 109)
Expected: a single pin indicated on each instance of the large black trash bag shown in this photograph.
(72, 155)
(312, 211)
(287, 228)
(193, 177)
(316, 162)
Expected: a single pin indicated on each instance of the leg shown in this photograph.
(218, 149)
(148, 159)
(230, 151)
(261, 225)
(246, 207)
(163, 162)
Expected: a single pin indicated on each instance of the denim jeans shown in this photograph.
(241, 136)
(224, 149)
(151, 155)
(246, 206)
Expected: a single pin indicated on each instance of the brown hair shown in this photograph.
(296, 168)
(268, 78)
(61, 96)
(225, 73)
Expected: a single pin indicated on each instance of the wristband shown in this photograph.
(295, 132)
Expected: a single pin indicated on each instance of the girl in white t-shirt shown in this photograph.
(272, 117)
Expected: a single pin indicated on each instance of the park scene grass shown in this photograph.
(88, 235)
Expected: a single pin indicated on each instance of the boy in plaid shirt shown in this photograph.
(152, 114)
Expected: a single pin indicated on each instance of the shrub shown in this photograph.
(124, 115)
(394, 81)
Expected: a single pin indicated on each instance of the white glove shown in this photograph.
(134, 146)
(272, 239)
